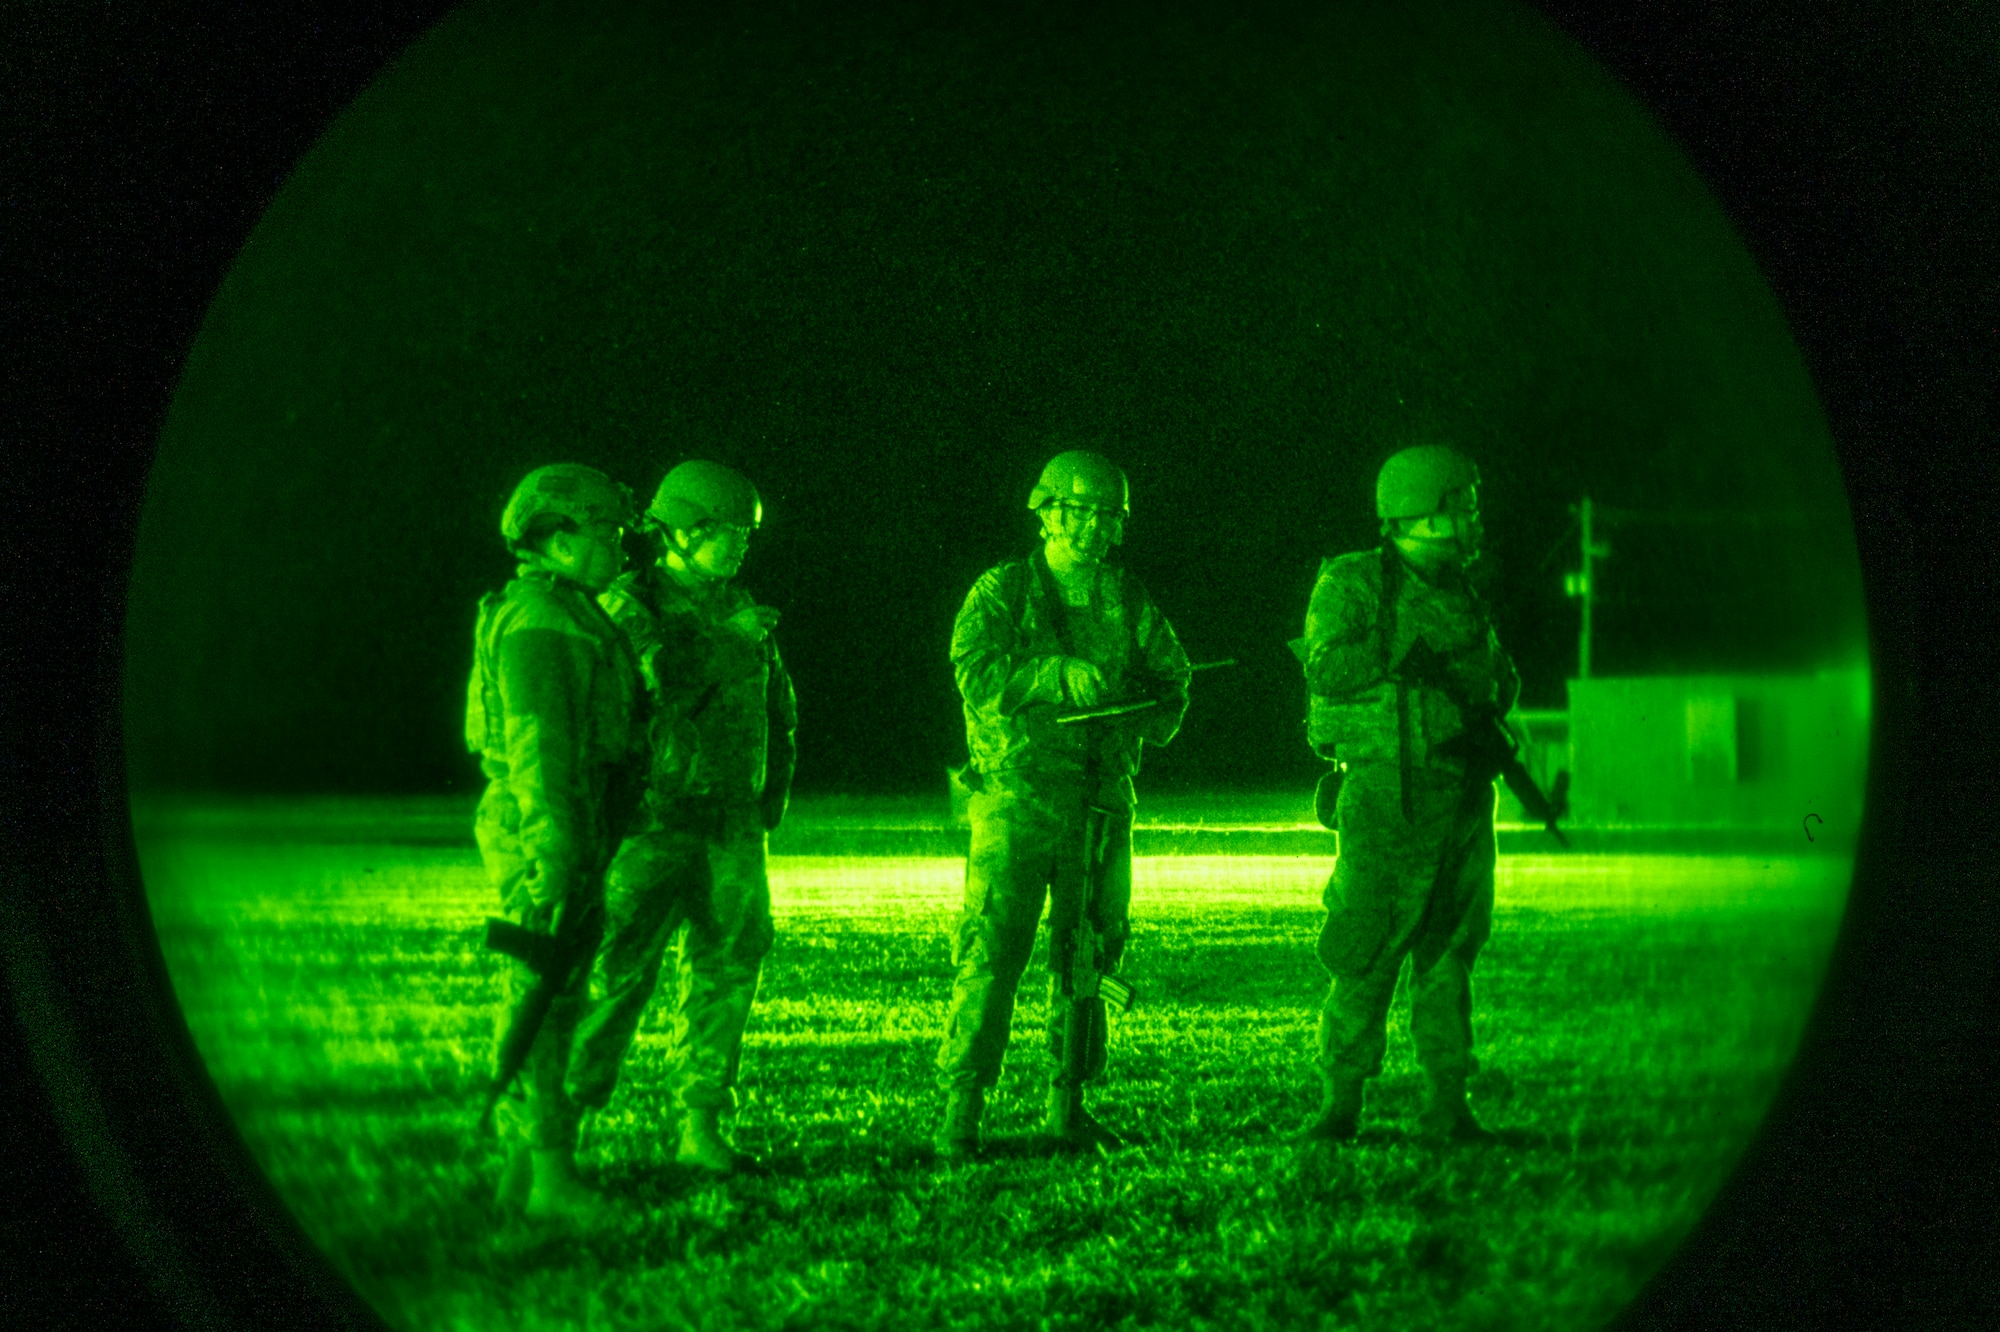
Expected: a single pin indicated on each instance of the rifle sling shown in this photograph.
(1392, 592)
(1403, 751)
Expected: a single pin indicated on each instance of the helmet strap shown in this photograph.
(674, 550)
(1393, 535)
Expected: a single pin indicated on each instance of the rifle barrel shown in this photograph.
(1139, 705)
(1110, 710)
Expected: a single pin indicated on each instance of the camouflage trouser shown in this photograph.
(1027, 844)
(537, 1110)
(1421, 888)
(706, 867)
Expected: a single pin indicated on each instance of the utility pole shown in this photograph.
(1582, 583)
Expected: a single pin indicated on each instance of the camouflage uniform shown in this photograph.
(1415, 871)
(722, 729)
(1028, 813)
(555, 712)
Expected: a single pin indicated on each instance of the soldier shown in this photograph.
(1393, 636)
(1060, 628)
(554, 712)
(722, 728)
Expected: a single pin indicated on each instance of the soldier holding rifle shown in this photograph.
(554, 711)
(1407, 683)
(1051, 812)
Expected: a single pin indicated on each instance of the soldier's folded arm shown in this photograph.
(678, 651)
(1342, 653)
(1167, 663)
(545, 677)
(992, 675)
(719, 658)
(781, 706)
(1509, 689)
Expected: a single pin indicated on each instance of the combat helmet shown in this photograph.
(1428, 479)
(698, 492)
(580, 494)
(1084, 477)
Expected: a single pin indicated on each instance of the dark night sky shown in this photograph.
(886, 267)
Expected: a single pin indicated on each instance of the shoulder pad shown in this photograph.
(543, 603)
(1356, 567)
(1004, 581)
(1353, 560)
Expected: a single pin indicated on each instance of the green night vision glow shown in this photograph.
(887, 267)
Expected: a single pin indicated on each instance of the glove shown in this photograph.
(779, 764)
(1326, 798)
(545, 887)
(1083, 683)
(543, 917)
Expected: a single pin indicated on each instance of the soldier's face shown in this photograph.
(717, 550)
(1085, 531)
(1442, 539)
(592, 556)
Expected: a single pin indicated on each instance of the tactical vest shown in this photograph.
(1390, 720)
(615, 711)
(1013, 742)
(708, 738)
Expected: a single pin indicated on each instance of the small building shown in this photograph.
(1724, 751)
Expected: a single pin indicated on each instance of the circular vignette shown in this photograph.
(1875, 805)
(1268, 245)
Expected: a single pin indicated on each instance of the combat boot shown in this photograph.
(958, 1137)
(1446, 1117)
(558, 1194)
(1338, 1118)
(704, 1147)
(1073, 1126)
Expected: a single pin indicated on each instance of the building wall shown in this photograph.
(1722, 750)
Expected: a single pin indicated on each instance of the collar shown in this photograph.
(706, 594)
(555, 579)
(1052, 586)
(1448, 577)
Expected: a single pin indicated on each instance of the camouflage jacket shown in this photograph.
(724, 713)
(556, 714)
(1007, 656)
(1352, 702)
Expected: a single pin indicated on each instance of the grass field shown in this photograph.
(1634, 1015)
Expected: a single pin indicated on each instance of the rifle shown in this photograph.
(554, 959)
(1135, 705)
(1487, 745)
(1084, 980)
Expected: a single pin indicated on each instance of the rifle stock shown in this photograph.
(553, 958)
(1545, 809)
(1085, 978)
